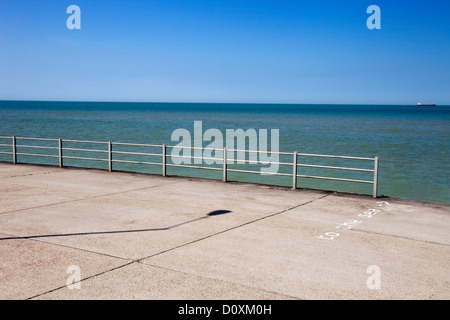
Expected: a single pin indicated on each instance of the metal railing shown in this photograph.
(59, 151)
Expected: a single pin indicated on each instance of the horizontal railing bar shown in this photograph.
(6, 153)
(138, 153)
(85, 141)
(190, 157)
(87, 150)
(331, 156)
(82, 158)
(280, 163)
(260, 151)
(238, 162)
(194, 148)
(36, 155)
(265, 173)
(137, 144)
(193, 167)
(4, 137)
(190, 147)
(231, 150)
(274, 152)
(137, 162)
(337, 168)
(36, 147)
(5, 145)
(39, 139)
(337, 179)
(246, 171)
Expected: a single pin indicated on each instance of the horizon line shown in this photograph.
(199, 102)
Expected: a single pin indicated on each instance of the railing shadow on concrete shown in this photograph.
(210, 214)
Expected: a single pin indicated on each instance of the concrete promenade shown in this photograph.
(138, 236)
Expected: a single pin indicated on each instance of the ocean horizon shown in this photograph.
(411, 141)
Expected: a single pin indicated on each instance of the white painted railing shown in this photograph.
(17, 147)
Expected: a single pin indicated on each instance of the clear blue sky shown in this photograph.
(226, 51)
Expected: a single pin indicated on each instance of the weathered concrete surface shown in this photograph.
(136, 236)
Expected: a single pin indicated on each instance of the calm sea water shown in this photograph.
(412, 142)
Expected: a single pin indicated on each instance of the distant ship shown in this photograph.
(426, 104)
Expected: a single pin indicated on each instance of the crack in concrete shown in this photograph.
(398, 237)
(235, 227)
(87, 198)
(222, 280)
(79, 281)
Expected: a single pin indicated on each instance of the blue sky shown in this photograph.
(226, 51)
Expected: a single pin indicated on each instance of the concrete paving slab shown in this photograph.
(284, 254)
(15, 198)
(29, 268)
(421, 221)
(93, 182)
(138, 281)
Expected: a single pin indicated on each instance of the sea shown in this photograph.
(411, 142)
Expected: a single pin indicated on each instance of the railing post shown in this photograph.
(164, 167)
(60, 152)
(294, 171)
(375, 177)
(109, 156)
(224, 164)
(14, 149)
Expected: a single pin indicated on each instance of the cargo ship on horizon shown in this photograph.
(419, 104)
